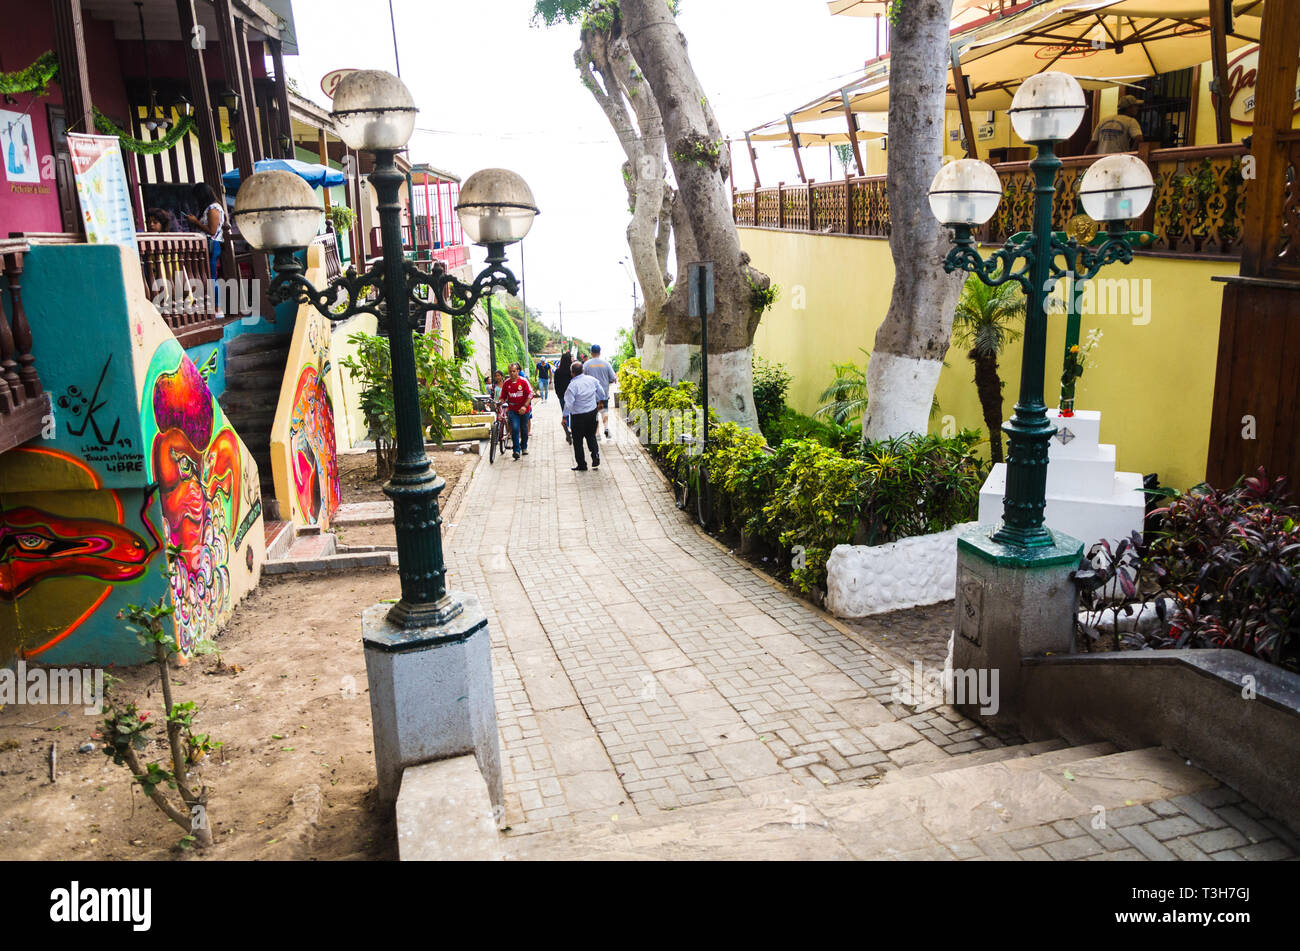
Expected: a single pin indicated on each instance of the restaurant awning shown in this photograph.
(963, 11)
(1098, 37)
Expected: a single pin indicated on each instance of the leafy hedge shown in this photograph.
(806, 497)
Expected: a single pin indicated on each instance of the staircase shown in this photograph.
(254, 372)
(1041, 798)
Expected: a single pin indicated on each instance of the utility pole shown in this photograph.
(523, 281)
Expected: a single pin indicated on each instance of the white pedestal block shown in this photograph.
(1086, 497)
(431, 695)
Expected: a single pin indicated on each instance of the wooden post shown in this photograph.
(240, 129)
(1219, 57)
(812, 204)
(322, 146)
(248, 91)
(963, 105)
(70, 47)
(205, 119)
(1274, 97)
(753, 161)
(794, 142)
(848, 204)
(282, 100)
(780, 205)
(231, 37)
(853, 132)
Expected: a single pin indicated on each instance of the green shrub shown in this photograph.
(812, 494)
(771, 381)
(794, 425)
(441, 385)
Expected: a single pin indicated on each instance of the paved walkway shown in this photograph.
(641, 669)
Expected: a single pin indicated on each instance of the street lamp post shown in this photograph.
(277, 212)
(1015, 594)
(1047, 108)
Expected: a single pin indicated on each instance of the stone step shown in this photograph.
(252, 343)
(973, 758)
(255, 362)
(931, 816)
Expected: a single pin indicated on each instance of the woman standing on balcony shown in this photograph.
(214, 218)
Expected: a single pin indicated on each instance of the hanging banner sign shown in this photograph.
(103, 189)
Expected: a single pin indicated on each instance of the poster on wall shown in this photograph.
(103, 189)
(18, 148)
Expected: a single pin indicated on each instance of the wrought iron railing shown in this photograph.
(1198, 208)
(24, 404)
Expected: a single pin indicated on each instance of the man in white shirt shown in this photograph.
(604, 374)
(581, 401)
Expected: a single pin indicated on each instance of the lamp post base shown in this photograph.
(1012, 603)
(431, 695)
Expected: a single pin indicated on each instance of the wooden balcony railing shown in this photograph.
(1198, 207)
(178, 279)
(24, 404)
(333, 260)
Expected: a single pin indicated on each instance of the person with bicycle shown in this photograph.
(517, 395)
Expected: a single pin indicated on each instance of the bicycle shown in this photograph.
(500, 429)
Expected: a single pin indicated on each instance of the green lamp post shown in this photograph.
(965, 194)
(277, 212)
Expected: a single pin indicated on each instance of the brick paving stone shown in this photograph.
(697, 681)
(1175, 826)
(1147, 844)
(1218, 839)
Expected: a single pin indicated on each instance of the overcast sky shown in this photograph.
(495, 91)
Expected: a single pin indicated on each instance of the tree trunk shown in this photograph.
(989, 387)
(697, 150)
(609, 73)
(913, 340)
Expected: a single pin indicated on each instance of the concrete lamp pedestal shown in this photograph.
(431, 695)
(1011, 603)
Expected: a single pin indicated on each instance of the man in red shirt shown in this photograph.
(518, 396)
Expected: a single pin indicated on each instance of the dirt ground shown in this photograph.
(295, 720)
(358, 482)
(287, 695)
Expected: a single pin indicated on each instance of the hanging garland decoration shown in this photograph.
(183, 127)
(35, 78)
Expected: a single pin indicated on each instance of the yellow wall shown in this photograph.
(1153, 381)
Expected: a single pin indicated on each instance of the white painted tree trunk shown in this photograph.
(701, 166)
(677, 361)
(652, 353)
(911, 343)
(909, 384)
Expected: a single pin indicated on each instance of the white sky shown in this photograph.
(494, 91)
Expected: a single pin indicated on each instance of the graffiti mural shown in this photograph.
(312, 450)
(141, 460)
(304, 460)
(65, 551)
(194, 458)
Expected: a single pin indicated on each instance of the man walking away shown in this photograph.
(518, 396)
(1119, 133)
(598, 367)
(580, 401)
(544, 378)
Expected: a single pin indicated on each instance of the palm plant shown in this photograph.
(845, 400)
(985, 323)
